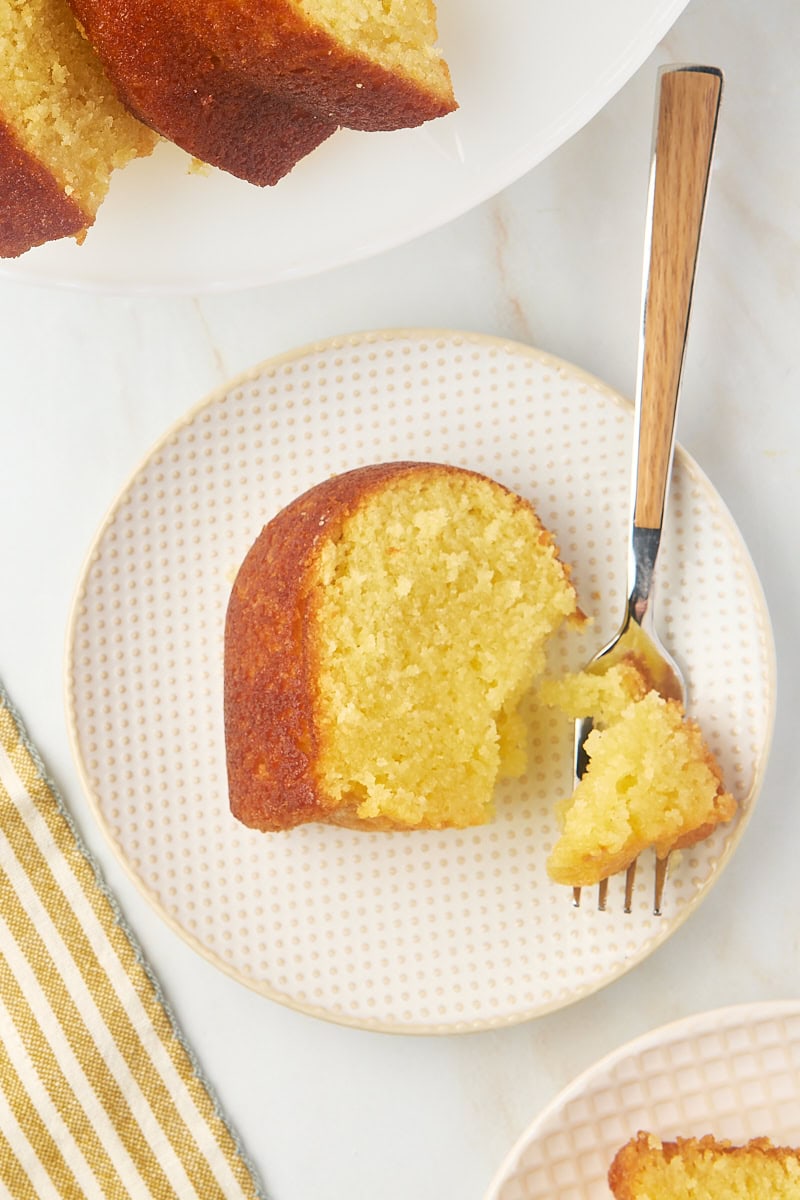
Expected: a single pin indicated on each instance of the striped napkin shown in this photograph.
(99, 1094)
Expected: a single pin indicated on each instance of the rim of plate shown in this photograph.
(262, 988)
(672, 1031)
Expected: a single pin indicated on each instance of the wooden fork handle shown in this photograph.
(686, 122)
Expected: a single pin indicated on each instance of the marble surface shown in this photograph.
(555, 261)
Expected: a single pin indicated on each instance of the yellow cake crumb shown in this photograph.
(437, 601)
(650, 781)
(704, 1169)
(59, 103)
(603, 695)
(400, 35)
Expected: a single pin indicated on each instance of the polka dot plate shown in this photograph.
(418, 932)
(733, 1073)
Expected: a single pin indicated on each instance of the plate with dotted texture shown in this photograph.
(435, 932)
(733, 1073)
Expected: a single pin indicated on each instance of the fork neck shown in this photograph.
(642, 556)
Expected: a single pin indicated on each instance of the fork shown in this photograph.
(687, 107)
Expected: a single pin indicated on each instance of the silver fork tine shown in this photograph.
(630, 877)
(661, 878)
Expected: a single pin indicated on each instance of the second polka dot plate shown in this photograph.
(424, 932)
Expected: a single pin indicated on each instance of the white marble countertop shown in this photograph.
(90, 382)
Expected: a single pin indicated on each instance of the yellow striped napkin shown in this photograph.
(99, 1094)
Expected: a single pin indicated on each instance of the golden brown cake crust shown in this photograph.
(171, 78)
(270, 660)
(33, 206)
(218, 48)
(298, 60)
